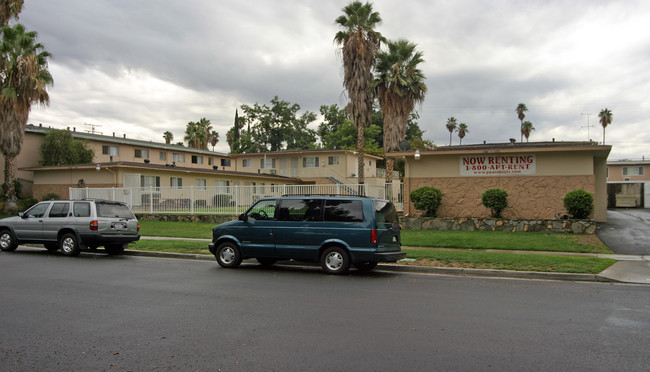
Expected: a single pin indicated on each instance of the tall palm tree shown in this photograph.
(214, 138)
(462, 131)
(520, 110)
(168, 136)
(359, 42)
(24, 77)
(399, 85)
(9, 9)
(451, 127)
(526, 128)
(606, 117)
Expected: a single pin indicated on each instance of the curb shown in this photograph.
(416, 269)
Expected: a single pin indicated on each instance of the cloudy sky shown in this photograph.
(143, 67)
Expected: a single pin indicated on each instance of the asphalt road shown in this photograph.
(96, 312)
(627, 231)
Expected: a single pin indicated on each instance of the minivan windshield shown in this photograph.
(385, 212)
(114, 210)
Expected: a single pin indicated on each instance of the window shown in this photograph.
(163, 156)
(81, 209)
(385, 212)
(223, 187)
(150, 181)
(59, 210)
(332, 160)
(210, 160)
(343, 211)
(110, 150)
(267, 163)
(178, 158)
(176, 182)
(142, 154)
(299, 210)
(247, 163)
(633, 171)
(197, 159)
(310, 162)
(114, 210)
(225, 162)
(38, 210)
(264, 210)
(201, 183)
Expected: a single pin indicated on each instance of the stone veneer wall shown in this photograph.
(499, 224)
(210, 218)
(529, 197)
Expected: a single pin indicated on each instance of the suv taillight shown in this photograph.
(373, 236)
(94, 225)
(138, 226)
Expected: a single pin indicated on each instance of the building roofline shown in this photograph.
(495, 148)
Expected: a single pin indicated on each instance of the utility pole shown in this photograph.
(588, 126)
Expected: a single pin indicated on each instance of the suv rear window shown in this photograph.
(385, 211)
(343, 211)
(114, 210)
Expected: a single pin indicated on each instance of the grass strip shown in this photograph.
(509, 261)
(175, 229)
(526, 241)
(171, 246)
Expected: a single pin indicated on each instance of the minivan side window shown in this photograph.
(81, 209)
(343, 211)
(385, 212)
(300, 210)
(59, 210)
(263, 210)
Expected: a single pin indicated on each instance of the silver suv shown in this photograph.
(72, 226)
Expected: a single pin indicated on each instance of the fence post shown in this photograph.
(150, 200)
(113, 193)
(236, 195)
(191, 199)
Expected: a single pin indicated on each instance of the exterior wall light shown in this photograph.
(417, 155)
(98, 168)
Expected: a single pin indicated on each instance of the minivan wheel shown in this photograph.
(228, 255)
(335, 260)
(7, 243)
(69, 245)
(366, 266)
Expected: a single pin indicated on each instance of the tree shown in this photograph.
(521, 110)
(606, 117)
(398, 85)
(9, 9)
(359, 42)
(233, 135)
(462, 131)
(526, 128)
(451, 127)
(337, 132)
(214, 138)
(168, 136)
(198, 134)
(25, 78)
(59, 148)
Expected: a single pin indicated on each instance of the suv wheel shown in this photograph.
(69, 245)
(228, 255)
(7, 243)
(114, 249)
(335, 260)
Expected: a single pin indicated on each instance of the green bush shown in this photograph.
(579, 203)
(496, 200)
(427, 199)
(24, 204)
(50, 196)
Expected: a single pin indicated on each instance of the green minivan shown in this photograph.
(337, 231)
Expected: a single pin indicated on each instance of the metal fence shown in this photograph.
(229, 200)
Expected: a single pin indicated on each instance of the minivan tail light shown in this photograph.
(94, 225)
(373, 236)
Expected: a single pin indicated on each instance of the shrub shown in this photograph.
(50, 196)
(579, 203)
(24, 204)
(496, 200)
(427, 199)
(200, 203)
(221, 200)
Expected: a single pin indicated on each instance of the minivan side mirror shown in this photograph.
(243, 217)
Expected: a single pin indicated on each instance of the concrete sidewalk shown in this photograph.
(628, 269)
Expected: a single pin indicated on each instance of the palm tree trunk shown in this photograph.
(449, 138)
(360, 143)
(10, 176)
(390, 166)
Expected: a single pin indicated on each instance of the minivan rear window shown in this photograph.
(299, 210)
(343, 211)
(114, 210)
(385, 211)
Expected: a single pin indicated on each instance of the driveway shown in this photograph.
(627, 231)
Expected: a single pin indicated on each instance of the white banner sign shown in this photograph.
(497, 165)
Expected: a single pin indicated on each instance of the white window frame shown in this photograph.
(178, 158)
(310, 162)
(247, 163)
(201, 184)
(176, 182)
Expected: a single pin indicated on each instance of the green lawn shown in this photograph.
(199, 230)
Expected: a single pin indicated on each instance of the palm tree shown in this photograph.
(25, 78)
(462, 131)
(214, 138)
(168, 136)
(451, 127)
(606, 117)
(399, 85)
(359, 43)
(520, 110)
(9, 9)
(526, 128)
